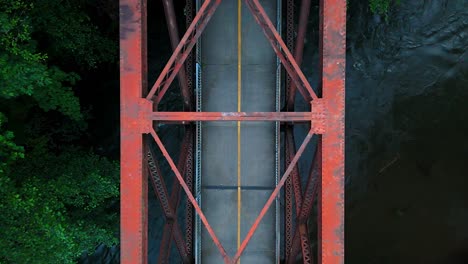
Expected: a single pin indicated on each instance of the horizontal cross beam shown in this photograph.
(235, 116)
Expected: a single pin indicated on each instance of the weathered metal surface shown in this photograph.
(170, 215)
(288, 188)
(310, 194)
(326, 117)
(331, 204)
(295, 180)
(185, 81)
(282, 50)
(299, 48)
(182, 51)
(189, 166)
(314, 117)
(133, 175)
(297, 188)
(190, 196)
(171, 22)
(174, 199)
(272, 196)
(189, 209)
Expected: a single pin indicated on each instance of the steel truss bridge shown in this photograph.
(238, 162)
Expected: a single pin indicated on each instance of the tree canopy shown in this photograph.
(58, 199)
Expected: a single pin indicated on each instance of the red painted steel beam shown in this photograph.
(288, 188)
(159, 187)
(281, 50)
(295, 182)
(182, 51)
(272, 197)
(189, 209)
(299, 49)
(333, 57)
(297, 188)
(189, 9)
(190, 196)
(306, 208)
(174, 37)
(174, 199)
(290, 33)
(133, 176)
(259, 217)
(291, 149)
(238, 116)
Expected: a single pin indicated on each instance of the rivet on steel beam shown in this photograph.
(145, 108)
(319, 116)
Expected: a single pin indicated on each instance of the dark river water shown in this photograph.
(406, 132)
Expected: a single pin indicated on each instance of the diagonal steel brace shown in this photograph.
(174, 200)
(161, 192)
(281, 50)
(182, 51)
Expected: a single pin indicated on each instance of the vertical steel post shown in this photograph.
(133, 177)
(333, 56)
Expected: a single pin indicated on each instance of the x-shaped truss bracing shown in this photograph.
(326, 118)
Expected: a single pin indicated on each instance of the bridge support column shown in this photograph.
(133, 175)
(331, 195)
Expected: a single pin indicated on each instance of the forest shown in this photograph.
(59, 194)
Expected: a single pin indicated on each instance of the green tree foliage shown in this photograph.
(56, 199)
(56, 206)
(24, 70)
(381, 7)
(9, 151)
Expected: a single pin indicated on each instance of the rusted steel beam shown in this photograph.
(288, 210)
(133, 173)
(190, 196)
(288, 188)
(299, 49)
(297, 188)
(174, 37)
(290, 32)
(272, 197)
(260, 216)
(333, 56)
(175, 198)
(189, 10)
(182, 51)
(166, 240)
(291, 93)
(159, 187)
(189, 239)
(238, 116)
(291, 151)
(310, 193)
(291, 96)
(281, 50)
(189, 208)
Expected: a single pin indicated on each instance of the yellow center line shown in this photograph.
(239, 86)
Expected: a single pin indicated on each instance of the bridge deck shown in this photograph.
(238, 154)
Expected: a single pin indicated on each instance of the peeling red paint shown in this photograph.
(133, 177)
(331, 211)
(326, 117)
